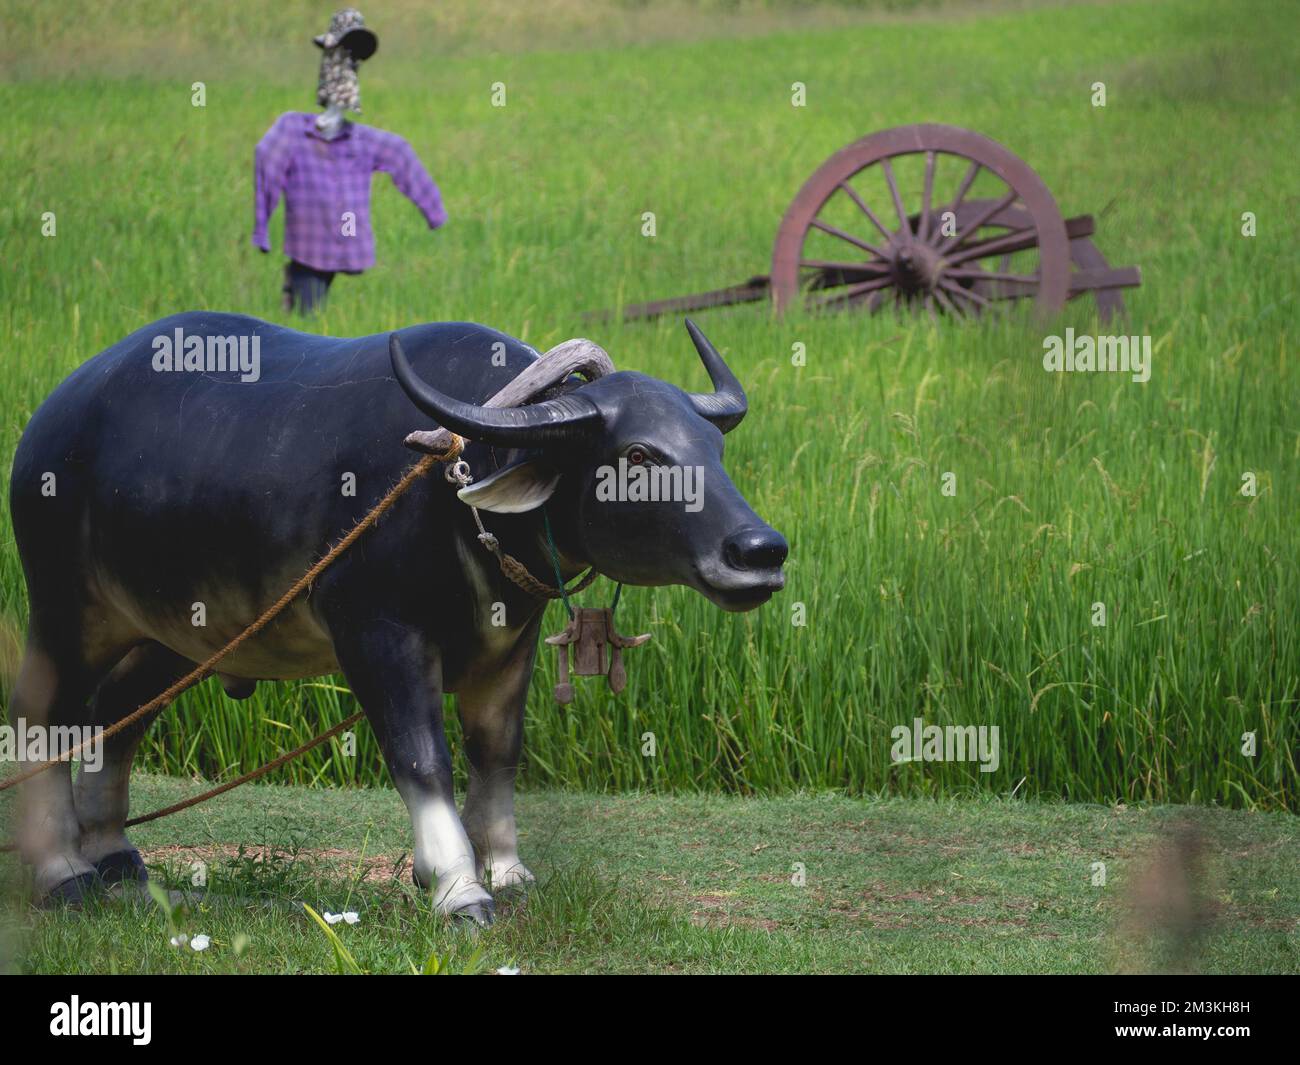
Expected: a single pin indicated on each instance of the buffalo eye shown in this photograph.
(636, 456)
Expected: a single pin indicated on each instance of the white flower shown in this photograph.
(351, 916)
(200, 942)
(180, 940)
(332, 918)
(508, 970)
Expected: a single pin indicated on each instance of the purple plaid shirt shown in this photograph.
(326, 188)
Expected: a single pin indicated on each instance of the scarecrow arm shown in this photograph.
(271, 160)
(398, 158)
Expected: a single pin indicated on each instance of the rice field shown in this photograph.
(902, 601)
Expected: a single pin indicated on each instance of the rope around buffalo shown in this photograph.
(230, 785)
(510, 567)
(206, 668)
(458, 473)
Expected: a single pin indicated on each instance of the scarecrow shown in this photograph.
(322, 163)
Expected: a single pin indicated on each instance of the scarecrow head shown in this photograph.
(344, 45)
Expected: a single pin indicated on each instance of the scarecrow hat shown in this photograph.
(348, 30)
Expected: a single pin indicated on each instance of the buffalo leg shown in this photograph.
(50, 692)
(397, 677)
(103, 794)
(492, 714)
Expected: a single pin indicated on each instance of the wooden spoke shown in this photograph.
(862, 206)
(1020, 239)
(857, 242)
(851, 292)
(964, 188)
(925, 199)
(974, 224)
(965, 293)
(904, 226)
(1016, 240)
(947, 304)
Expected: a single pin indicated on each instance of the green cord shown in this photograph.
(559, 579)
(555, 561)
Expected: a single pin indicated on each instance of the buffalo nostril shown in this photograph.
(757, 548)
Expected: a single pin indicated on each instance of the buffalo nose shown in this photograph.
(759, 547)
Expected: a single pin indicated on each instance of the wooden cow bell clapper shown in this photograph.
(589, 632)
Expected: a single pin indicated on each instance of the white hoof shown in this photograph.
(458, 893)
(507, 875)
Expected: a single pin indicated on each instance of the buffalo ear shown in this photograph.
(514, 490)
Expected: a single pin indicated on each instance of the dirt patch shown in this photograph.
(938, 907)
(716, 911)
(332, 862)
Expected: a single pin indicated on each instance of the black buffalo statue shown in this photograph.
(180, 481)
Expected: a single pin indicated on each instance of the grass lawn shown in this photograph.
(648, 883)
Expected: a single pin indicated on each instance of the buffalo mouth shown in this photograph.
(738, 590)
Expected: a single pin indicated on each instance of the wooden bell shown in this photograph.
(589, 631)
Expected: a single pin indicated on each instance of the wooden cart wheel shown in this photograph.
(1084, 256)
(835, 249)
